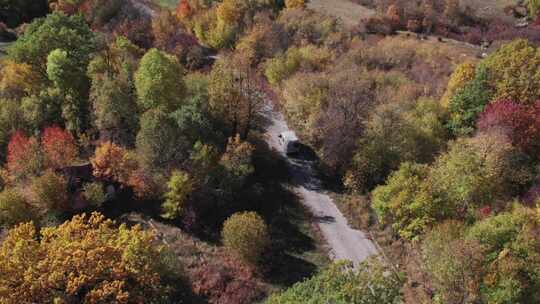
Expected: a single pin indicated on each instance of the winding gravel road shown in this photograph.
(344, 242)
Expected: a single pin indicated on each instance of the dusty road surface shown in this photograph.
(344, 242)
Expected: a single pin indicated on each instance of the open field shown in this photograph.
(351, 13)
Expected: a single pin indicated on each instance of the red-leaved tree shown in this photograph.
(519, 121)
(59, 147)
(24, 156)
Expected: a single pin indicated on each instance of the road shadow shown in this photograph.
(306, 153)
(324, 219)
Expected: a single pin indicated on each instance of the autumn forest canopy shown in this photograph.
(137, 162)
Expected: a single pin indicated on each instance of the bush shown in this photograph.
(246, 234)
(406, 201)
(14, 208)
(49, 191)
(378, 25)
(94, 194)
(281, 67)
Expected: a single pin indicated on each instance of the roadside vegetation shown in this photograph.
(135, 166)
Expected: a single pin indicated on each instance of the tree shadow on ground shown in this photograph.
(289, 221)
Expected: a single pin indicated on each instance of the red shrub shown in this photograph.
(226, 281)
(183, 10)
(520, 122)
(59, 147)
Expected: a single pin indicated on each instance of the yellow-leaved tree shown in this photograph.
(462, 75)
(246, 235)
(88, 259)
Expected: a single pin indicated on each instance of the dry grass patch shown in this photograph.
(350, 13)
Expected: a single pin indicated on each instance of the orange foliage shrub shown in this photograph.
(113, 163)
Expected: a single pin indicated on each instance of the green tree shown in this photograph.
(159, 82)
(246, 234)
(469, 102)
(56, 31)
(282, 66)
(43, 109)
(63, 71)
(115, 109)
(195, 122)
(159, 141)
(371, 283)
(180, 187)
(59, 47)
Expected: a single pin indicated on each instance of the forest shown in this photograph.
(138, 161)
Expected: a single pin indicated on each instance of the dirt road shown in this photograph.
(344, 242)
(144, 7)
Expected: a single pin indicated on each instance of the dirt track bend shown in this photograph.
(344, 242)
